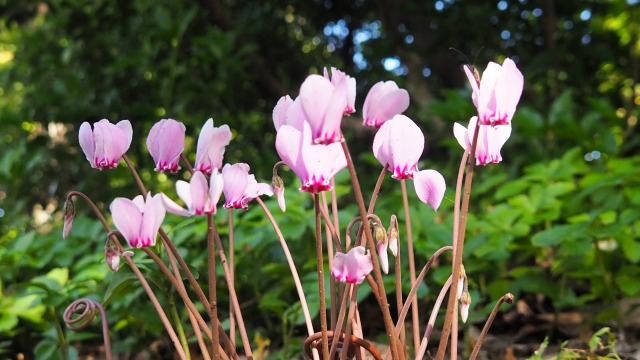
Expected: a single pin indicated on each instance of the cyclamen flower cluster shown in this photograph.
(139, 220)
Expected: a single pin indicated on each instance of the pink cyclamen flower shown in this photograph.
(352, 267)
(138, 220)
(336, 77)
(211, 145)
(398, 146)
(199, 196)
(240, 187)
(490, 140)
(106, 143)
(323, 103)
(165, 144)
(498, 93)
(383, 102)
(315, 165)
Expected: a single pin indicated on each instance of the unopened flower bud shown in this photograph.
(112, 254)
(392, 235)
(380, 237)
(69, 215)
(465, 302)
(461, 281)
(278, 190)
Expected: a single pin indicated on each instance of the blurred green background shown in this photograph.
(558, 218)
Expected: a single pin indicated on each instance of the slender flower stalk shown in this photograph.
(415, 314)
(432, 319)
(213, 302)
(394, 342)
(451, 319)
(476, 349)
(321, 293)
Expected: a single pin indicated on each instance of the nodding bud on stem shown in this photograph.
(461, 280)
(392, 235)
(69, 215)
(382, 243)
(278, 190)
(465, 302)
(112, 254)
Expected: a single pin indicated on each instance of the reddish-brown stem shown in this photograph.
(321, 293)
(382, 298)
(233, 296)
(292, 267)
(509, 299)
(398, 274)
(143, 190)
(232, 318)
(347, 333)
(451, 319)
(186, 163)
(376, 191)
(332, 282)
(432, 319)
(337, 330)
(415, 316)
(213, 300)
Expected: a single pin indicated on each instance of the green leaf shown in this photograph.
(556, 234)
(120, 282)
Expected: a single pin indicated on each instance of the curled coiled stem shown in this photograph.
(79, 315)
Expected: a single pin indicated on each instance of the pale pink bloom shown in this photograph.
(112, 254)
(352, 267)
(398, 146)
(240, 187)
(315, 165)
(498, 93)
(430, 187)
(465, 303)
(490, 140)
(336, 77)
(138, 220)
(165, 144)
(199, 195)
(211, 145)
(383, 256)
(323, 104)
(106, 143)
(288, 112)
(383, 102)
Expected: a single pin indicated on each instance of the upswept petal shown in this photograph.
(127, 218)
(127, 131)
(216, 185)
(461, 134)
(474, 84)
(289, 142)
(486, 95)
(279, 114)
(152, 217)
(430, 187)
(183, 189)
(199, 193)
(508, 91)
(235, 183)
(87, 144)
(383, 255)
(173, 208)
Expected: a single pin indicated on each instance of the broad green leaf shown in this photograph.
(556, 234)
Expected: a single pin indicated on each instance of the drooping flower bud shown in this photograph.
(69, 215)
(465, 302)
(112, 254)
(382, 244)
(278, 191)
(392, 235)
(461, 280)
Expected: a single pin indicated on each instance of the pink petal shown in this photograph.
(165, 143)
(199, 193)
(289, 146)
(474, 84)
(127, 218)
(323, 105)
(384, 101)
(235, 183)
(183, 189)
(211, 146)
(400, 146)
(486, 95)
(85, 138)
(279, 114)
(461, 134)
(152, 217)
(430, 187)
(382, 247)
(216, 185)
(127, 131)
(508, 90)
(173, 208)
